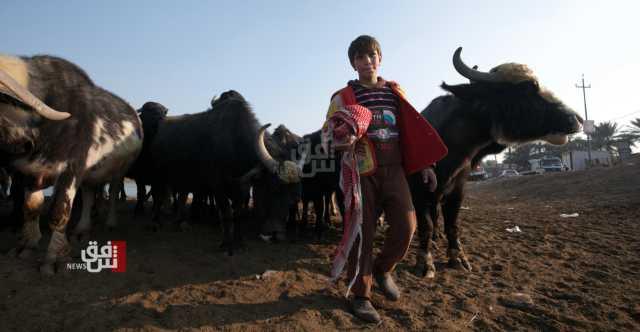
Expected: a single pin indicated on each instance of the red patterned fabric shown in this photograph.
(352, 120)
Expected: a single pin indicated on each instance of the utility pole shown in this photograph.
(586, 117)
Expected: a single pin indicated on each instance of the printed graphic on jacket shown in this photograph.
(383, 130)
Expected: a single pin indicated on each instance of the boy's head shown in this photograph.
(363, 45)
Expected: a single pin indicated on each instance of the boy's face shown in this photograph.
(366, 64)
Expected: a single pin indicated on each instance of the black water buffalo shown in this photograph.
(151, 114)
(222, 150)
(288, 141)
(319, 182)
(502, 107)
(91, 139)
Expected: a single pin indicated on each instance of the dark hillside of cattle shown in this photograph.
(571, 265)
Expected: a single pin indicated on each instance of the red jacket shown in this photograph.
(420, 143)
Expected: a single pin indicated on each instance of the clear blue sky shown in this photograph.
(287, 57)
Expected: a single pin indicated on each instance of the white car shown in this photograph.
(509, 173)
(478, 174)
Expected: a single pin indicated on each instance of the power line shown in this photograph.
(624, 116)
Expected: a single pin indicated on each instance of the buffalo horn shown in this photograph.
(472, 74)
(266, 159)
(28, 98)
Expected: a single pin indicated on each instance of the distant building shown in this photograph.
(579, 160)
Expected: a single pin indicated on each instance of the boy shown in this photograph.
(398, 142)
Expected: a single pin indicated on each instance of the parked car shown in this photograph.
(478, 174)
(509, 173)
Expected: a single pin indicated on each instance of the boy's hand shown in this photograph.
(429, 178)
(349, 141)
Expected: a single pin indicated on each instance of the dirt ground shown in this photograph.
(557, 274)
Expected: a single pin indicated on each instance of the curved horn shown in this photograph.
(28, 98)
(472, 74)
(266, 159)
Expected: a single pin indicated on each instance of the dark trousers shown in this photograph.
(384, 191)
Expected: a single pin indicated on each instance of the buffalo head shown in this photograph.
(277, 182)
(17, 120)
(520, 108)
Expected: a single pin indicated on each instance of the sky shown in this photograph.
(288, 57)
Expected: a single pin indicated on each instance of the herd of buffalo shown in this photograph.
(57, 128)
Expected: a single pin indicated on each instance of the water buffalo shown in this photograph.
(58, 128)
(495, 109)
(222, 150)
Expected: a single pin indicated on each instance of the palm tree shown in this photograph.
(604, 136)
(519, 156)
(636, 125)
(631, 133)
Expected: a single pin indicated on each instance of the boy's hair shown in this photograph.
(362, 45)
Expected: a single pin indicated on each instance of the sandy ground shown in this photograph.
(557, 274)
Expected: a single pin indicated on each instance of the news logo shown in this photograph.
(111, 256)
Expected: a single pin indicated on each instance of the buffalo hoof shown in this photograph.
(437, 236)
(458, 260)
(425, 267)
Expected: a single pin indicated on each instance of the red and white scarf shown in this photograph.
(345, 122)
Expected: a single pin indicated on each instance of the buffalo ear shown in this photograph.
(468, 91)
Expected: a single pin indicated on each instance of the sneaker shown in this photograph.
(388, 286)
(363, 309)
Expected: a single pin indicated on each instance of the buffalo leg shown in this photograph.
(28, 244)
(17, 193)
(59, 248)
(160, 196)
(181, 219)
(238, 222)
(292, 221)
(227, 222)
(122, 196)
(213, 210)
(141, 198)
(304, 222)
(329, 209)
(426, 213)
(81, 231)
(318, 206)
(198, 206)
(115, 188)
(436, 235)
(450, 210)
